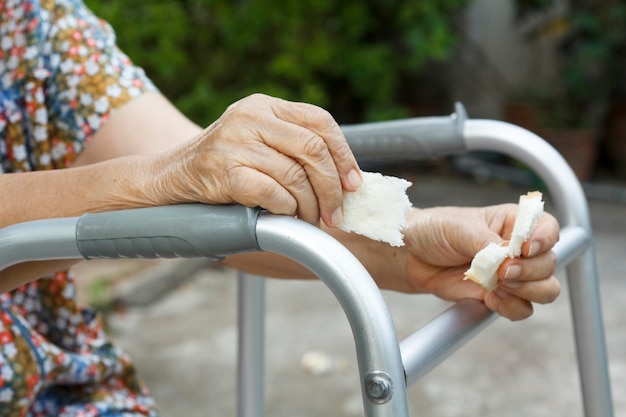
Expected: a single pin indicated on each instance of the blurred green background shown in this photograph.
(555, 67)
(362, 60)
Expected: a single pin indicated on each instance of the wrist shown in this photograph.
(129, 182)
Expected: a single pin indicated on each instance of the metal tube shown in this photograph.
(251, 346)
(573, 241)
(543, 159)
(378, 352)
(38, 240)
(572, 210)
(438, 339)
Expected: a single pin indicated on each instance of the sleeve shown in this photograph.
(90, 77)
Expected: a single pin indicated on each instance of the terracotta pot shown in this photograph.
(578, 147)
(521, 114)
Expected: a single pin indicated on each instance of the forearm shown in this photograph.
(385, 264)
(111, 185)
(20, 274)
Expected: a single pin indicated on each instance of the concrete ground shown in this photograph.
(184, 344)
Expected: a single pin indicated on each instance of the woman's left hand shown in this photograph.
(441, 243)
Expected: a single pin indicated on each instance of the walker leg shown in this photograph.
(589, 333)
(251, 346)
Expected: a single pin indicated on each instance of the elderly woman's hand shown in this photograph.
(442, 242)
(289, 158)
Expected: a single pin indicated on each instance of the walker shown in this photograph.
(386, 366)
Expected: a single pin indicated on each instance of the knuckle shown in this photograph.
(267, 191)
(256, 98)
(256, 190)
(248, 104)
(323, 118)
(315, 147)
(318, 118)
(296, 177)
(312, 112)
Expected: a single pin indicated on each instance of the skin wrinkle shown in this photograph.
(282, 193)
(316, 155)
(307, 117)
(306, 165)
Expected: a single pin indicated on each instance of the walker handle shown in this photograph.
(416, 138)
(182, 231)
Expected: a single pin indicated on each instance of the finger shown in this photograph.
(255, 188)
(544, 236)
(449, 287)
(290, 175)
(543, 291)
(528, 269)
(309, 150)
(322, 123)
(508, 305)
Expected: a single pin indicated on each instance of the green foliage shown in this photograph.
(359, 59)
(591, 60)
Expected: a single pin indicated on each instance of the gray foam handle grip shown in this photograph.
(416, 138)
(180, 231)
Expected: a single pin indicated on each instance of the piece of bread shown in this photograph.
(378, 209)
(484, 267)
(529, 210)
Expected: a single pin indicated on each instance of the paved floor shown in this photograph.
(184, 344)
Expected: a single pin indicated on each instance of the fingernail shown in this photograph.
(511, 284)
(512, 272)
(337, 217)
(354, 179)
(534, 247)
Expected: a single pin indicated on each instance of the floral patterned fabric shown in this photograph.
(62, 76)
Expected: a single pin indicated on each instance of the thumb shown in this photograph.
(470, 241)
(450, 235)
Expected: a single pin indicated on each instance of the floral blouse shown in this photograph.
(62, 76)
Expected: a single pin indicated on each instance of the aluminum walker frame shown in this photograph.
(386, 366)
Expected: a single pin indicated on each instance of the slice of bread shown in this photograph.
(378, 209)
(484, 267)
(529, 210)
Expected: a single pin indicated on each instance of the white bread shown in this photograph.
(378, 209)
(484, 267)
(529, 210)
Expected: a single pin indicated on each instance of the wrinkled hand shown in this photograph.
(443, 241)
(289, 158)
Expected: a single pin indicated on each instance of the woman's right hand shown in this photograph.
(289, 158)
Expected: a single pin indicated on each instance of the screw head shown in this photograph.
(378, 387)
